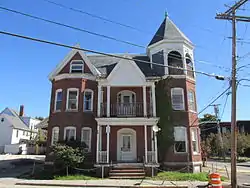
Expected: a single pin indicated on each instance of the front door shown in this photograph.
(126, 147)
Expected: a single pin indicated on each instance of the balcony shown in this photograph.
(126, 110)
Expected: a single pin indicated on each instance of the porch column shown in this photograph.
(144, 102)
(99, 101)
(146, 143)
(153, 100)
(108, 101)
(97, 143)
(156, 148)
(108, 134)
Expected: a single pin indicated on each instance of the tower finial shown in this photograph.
(166, 14)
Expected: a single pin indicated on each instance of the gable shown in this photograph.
(77, 56)
(65, 64)
(126, 73)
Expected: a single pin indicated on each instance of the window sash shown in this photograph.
(72, 100)
(191, 101)
(180, 146)
(180, 133)
(77, 67)
(55, 135)
(177, 98)
(86, 138)
(70, 133)
(88, 100)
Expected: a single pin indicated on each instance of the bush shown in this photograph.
(67, 156)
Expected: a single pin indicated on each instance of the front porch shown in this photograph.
(131, 144)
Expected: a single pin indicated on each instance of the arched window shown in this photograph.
(126, 103)
(86, 138)
(76, 66)
(126, 97)
(190, 67)
(55, 135)
(177, 98)
(175, 60)
(88, 100)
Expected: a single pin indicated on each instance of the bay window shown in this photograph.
(72, 99)
(180, 139)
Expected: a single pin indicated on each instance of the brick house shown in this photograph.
(110, 103)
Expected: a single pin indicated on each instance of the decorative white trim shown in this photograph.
(148, 83)
(190, 45)
(90, 136)
(108, 101)
(132, 134)
(66, 128)
(153, 100)
(92, 100)
(52, 135)
(126, 61)
(146, 143)
(127, 121)
(66, 60)
(195, 132)
(108, 139)
(144, 101)
(70, 69)
(126, 93)
(99, 100)
(77, 96)
(75, 75)
(97, 143)
(56, 95)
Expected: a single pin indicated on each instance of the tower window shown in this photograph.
(175, 60)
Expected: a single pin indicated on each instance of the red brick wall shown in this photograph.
(77, 56)
(77, 119)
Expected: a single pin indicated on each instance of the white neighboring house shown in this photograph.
(15, 129)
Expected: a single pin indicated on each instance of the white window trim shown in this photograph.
(186, 140)
(66, 128)
(77, 96)
(194, 97)
(56, 93)
(52, 135)
(90, 136)
(77, 61)
(195, 131)
(92, 100)
(183, 99)
(126, 93)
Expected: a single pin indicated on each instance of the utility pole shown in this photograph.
(230, 15)
(216, 112)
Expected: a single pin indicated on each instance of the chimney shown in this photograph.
(21, 110)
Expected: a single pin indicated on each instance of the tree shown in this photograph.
(208, 117)
(39, 118)
(164, 110)
(68, 156)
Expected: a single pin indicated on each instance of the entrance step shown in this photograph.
(127, 171)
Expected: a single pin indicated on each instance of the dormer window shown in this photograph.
(76, 66)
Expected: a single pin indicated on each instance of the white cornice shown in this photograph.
(127, 121)
(72, 76)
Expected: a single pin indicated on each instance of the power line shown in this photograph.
(98, 34)
(213, 101)
(71, 27)
(106, 54)
(224, 107)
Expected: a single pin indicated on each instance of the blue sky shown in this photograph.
(25, 65)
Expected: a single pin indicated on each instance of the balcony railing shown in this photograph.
(102, 156)
(151, 157)
(126, 110)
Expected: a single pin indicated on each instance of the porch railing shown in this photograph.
(151, 157)
(126, 109)
(102, 156)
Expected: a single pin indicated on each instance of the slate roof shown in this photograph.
(14, 119)
(168, 30)
(106, 64)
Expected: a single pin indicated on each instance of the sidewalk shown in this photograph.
(110, 183)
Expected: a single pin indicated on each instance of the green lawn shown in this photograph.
(179, 176)
(75, 177)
